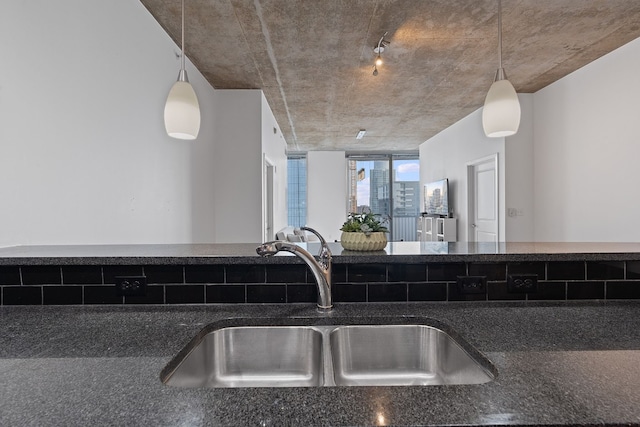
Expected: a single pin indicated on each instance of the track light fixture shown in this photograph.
(378, 49)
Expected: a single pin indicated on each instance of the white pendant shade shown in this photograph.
(501, 112)
(182, 112)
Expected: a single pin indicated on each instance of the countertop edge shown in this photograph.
(337, 259)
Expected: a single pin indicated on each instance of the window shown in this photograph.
(388, 186)
(297, 191)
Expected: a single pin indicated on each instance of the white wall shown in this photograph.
(237, 166)
(244, 135)
(446, 155)
(519, 177)
(274, 148)
(327, 192)
(84, 157)
(587, 146)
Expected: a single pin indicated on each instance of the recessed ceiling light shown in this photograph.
(361, 134)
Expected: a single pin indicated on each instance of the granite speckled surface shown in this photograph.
(558, 364)
(244, 253)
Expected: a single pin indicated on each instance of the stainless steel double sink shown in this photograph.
(314, 352)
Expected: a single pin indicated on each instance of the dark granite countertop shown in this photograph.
(244, 253)
(558, 364)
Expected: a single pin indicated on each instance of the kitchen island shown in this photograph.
(564, 363)
(72, 353)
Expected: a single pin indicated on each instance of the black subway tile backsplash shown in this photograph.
(432, 291)
(498, 291)
(493, 271)
(345, 292)
(111, 271)
(22, 295)
(565, 271)
(585, 290)
(338, 274)
(81, 275)
(245, 274)
(266, 293)
(276, 283)
(164, 273)
(101, 295)
(601, 270)
(623, 289)
(633, 270)
(437, 272)
(381, 292)
(226, 294)
(61, 295)
(41, 275)
(302, 293)
(367, 273)
(154, 295)
(204, 274)
(407, 272)
(456, 295)
(549, 291)
(9, 275)
(286, 273)
(537, 268)
(184, 294)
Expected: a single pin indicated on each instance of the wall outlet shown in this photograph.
(522, 283)
(131, 286)
(513, 212)
(472, 284)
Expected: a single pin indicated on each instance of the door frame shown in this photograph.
(471, 193)
(268, 177)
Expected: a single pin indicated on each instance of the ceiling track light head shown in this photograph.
(382, 43)
(378, 49)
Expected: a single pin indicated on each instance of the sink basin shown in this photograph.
(267, 356)
(401, 355)
(327, 352)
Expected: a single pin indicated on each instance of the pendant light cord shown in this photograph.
(500, 33)
(500, 74)
(183, 35)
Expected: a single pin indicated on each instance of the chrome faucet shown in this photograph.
(321, 268)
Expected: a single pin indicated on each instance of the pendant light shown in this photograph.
(501, 112)
(182, 111)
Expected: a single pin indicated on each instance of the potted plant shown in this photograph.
(363, 232)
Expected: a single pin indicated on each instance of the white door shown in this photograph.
(482, 184)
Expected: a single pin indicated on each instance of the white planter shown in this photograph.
(361, 242)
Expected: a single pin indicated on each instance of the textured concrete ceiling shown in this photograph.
(314, 58)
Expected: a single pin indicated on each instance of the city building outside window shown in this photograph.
(297, 191)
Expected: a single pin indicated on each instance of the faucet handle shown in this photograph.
(322, 241)
(325, 252)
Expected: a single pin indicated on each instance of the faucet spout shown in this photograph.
(321, 268)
